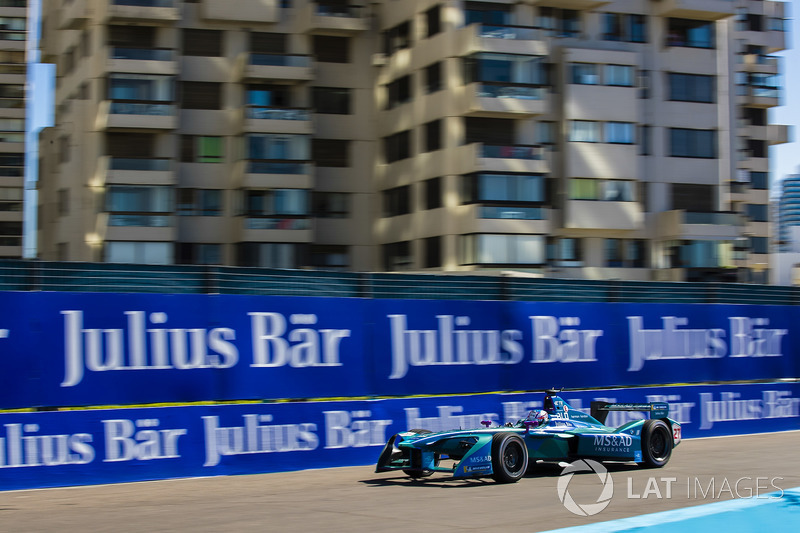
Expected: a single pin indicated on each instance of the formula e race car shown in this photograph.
(557, 433)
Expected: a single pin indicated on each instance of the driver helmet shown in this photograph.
(540, 418)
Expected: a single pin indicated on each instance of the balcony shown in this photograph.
(603, 215)
(761, 96)
(273, 173)
(261, 119)
(142, 60)
(570, 4)
(335, 19)
(134, 171)
(766, 64)
(778, 134)
(495, 99)
(74, 14)
(136, 115)
(476, 157)
(526, 40)
(274, 229)
(249, 11)
(696, 9)
(681, 225)
(275, 67)
(150, 11)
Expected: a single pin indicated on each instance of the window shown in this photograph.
(148, 253)
(618, 75)
(617, 191)
(759, 180)
(333, 153)
(269, 254)
(433, 78)
(397, 146)
(692, 143)
(759, 245)
(625, 253)
(275, 202)
(606, 190)
(396, 256)
(138, 199)
(433, 252)
(141, 87)
(267, 43)
(398, 92)
(397, 38)
(190, 253)
(329, 257)
(331, 49)
(757, 212)
(433, 18)
(278, 146)
(265, 95)
(201, 149)
(201, 95)
(206, 43)
(584, 189)
(545, 132)
(12, 164)
(691, 88)
(433, 136)
(645, 141)
(331, 100)
(433, 193)
(498, 249)
(330, 204)
(514, 188)
(564, 251)
(63, 202)
(584, 131)
(619, 132)
(200, 202)
(584, 73)
(624, 27)
(130, 36)
(757, 148)
(559, 22)
(397, 201)
(755, 116)
(693, 197)
(690, 32)
(505, 69)
(11, 199)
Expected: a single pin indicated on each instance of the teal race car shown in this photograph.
(557, 433)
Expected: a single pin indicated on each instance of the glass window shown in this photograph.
(505, 68)
(617, 191)
(758, 212)
(583, 189)
(495, 249)
(504, 188)
(692, 143)
(585, 73)
(278, 146)
(584, 131)
(433, 193)
(619, 132)
(759, 180)
(133, 199)
(690, 32)
(142, 87)
(331, 204)
(332, 100)
(201, 149)
(618, 75)
(433, 78)
(691, 88)
(149, 253)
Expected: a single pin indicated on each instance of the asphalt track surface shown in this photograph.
(355, 499)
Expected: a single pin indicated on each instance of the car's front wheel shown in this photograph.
(656, 443)
(509, 457)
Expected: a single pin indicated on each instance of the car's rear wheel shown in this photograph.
(656, 443)
(509, 457)
(416, 474)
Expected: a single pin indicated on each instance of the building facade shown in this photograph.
(565, 138)
(13, 75)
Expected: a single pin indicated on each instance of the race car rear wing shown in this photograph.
(600, 410)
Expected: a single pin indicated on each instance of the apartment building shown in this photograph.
(13, 73)
(566, 138)
(788, 214)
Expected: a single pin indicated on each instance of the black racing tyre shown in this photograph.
(509, 457)
(416, 474)
(656, 443)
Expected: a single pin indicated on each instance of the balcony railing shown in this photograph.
(277, 223)
(277, 167)
(717, 219)
(140, 108)
(139, 220)
(507, 90)
(276, 113)
(513, 213)
(280, 60)
(152, 164)
(142, 54)
(522, 33)
(145, 3)
(348, 11)
(514, 151)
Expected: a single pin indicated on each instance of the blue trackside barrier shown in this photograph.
(81, 447)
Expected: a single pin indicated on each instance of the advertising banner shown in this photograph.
(80, 447)
(65, 349)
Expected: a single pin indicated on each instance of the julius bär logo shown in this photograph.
(585, 509)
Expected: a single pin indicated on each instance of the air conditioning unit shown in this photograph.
(378, 60)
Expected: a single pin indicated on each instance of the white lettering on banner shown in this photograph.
(552, 342)
(125, 443)
(447, 345)
(22, 447)
(100, 350)
(513, 411)
(448, 419)
(772, 404)
(747, 339)
(254, 437)
(343, 430)
(304, 347)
